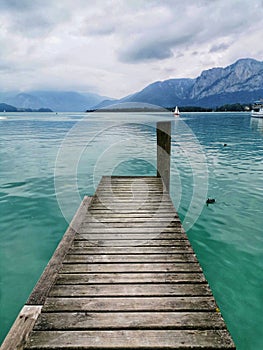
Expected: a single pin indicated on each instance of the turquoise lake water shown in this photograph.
(48, 162)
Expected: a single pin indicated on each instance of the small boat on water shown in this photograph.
(257, 109)
(176, 111)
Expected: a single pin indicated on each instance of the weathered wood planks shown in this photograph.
(23, 325)
(127, 278)
(122, 290)
(132, 339)
(130, 320)
(143, 277)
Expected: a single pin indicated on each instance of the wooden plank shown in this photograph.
(133, 242)
(114, 204)
(195, 289)
(82, 247)
(129, 189)
(132, 186)
(129, 179)
(130, 230)
(91, 220)
(131, 267)
(143, 258)
(131, 339)
(48, 277)
(130, 195)
(142, 183)
(109, 216)
(116, 178)
(128, 210)
(21, 328)
(129, 320)
(126, 192)
(137, 207)
(137, 180)
(134, 180)
(134, 208)
(136, 193)
(146, 201)
(137, 188)
(107, 219)
(134, 236)
(135, 200)
(106, 278)
(156, 230)
(140, 227)
(134, 227)
(172, 303)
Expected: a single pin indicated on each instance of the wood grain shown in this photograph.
(132, 339)
(124, 276)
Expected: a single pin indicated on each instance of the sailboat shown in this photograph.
(176, 111)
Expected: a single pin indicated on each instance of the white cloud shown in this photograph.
(116, 47)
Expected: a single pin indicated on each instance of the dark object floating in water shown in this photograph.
(210, 201)
(225, 144)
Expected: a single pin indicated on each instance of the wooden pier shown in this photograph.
(123, 277)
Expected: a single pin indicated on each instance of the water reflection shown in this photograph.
(256, 124)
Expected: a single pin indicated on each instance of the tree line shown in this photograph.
(235, 107)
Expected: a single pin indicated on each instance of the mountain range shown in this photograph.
(241, 82)
(62, 101)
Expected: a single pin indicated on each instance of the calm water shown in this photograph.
(49, 161)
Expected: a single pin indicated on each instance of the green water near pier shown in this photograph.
(48, 162)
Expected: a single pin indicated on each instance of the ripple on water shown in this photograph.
(13, 184)
(227, 236)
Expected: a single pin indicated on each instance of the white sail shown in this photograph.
(176, 111)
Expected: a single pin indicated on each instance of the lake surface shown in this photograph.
(48, 162)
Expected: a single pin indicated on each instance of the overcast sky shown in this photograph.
(117, 47)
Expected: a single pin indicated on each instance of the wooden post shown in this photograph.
(163, 131)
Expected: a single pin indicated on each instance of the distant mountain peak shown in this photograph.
(246, 61)
(240, 82)
(62, 101)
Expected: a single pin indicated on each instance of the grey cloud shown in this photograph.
(35, 26)
(219, 47)
(34, 18)
(14, 5)
(5, 67)
(21, 5)
(145, 53)
(107, 30)
(98, 27)
(163, 34)
(154, 49)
